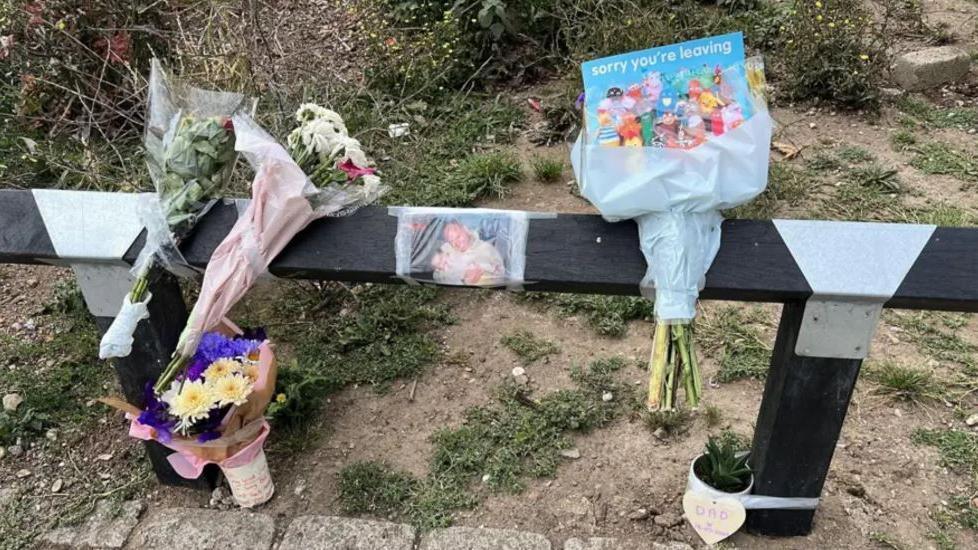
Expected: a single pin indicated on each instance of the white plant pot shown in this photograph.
(697, 485)
(251, 484)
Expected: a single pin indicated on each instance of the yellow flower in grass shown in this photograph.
(192, 402)
(222, 368)
(231, 390)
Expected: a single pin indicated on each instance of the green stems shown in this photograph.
(673, 366)
(176, 365)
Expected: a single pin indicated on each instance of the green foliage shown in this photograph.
(875, 178)
(833, 52)
(855, 154)
(905, 383)
(927, 114)
(57, 377)
(547, 170)
(528, 347)
(484, 175)
(370, 336)
(937, 335)
(941, 214)
(670, 422)
(733, 334)
(787, 186)
(940, 158)
(902, 140)
(723, 467)
(608, 315)
(501, 445)
(713, 415)
(374, 488)
(958, 448)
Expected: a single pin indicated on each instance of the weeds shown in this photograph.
(875, 178)
(939, 158)
(905, 383)
(787, 186)
(958, 448)
(712, 415)
(499, 445)
(608, 315)
(734, 334)
(547, 170)
(370, 336)
(940, 214)
(668, 423)
(928, 114)
(854, 154)
(936, 334)
(902, 140)
(528, 347)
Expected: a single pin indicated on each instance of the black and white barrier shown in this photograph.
(833, 278)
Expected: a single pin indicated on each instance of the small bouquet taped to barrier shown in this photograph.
(466, 247)
(672, 136)
(186, 408)
(189, 143)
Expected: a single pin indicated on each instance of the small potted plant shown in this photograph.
(722, 470)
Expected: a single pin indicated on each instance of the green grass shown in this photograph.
(672, 423)
(56, 378)
(607, 315)
(934, 116)
(958, 450)
(368, 335)
(713, 415)
(905, 383)
(547, 170)
(733, 335)
(942, 159)
(496, 449)
(902, 140)
(937, 335)
(941, 214)
(855, 154)
(886, 540)
(528, 347)
(787, 185)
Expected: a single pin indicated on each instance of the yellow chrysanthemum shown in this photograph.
(250, 370)
(221, 369)
(231, 390)
(280, 398)
(192, 402)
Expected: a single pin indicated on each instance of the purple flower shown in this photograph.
(214, 346)
(157, 416)
(579, 102)
(208, 436)
(196, 369)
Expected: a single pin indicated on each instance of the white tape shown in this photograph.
(750, 502)
(117, 340)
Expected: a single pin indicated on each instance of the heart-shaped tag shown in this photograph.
(667, 101)
(714, 519)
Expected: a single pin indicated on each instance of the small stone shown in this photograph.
(31, 282)
(930, 67)
(522, 379)
(639, 514)
(30, 324)
(51, 435)
(660, 433)
(15, 450)
(667, 520)
(571, 453)
(11, 401)
(607, 396)
(219, 496)
(3, 453)
(972, 420)
(519, 371)
(812, 125)
(23, 473)
(898, 413)
(486, 478)
(57, 485)
(104, 457)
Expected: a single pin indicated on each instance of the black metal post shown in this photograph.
(155, 340)
(802, 411)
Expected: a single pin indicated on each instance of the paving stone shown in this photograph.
(108, 527)
(334, 533)
(467, 538)
(617, 544)
(930, 67)
(202, 529)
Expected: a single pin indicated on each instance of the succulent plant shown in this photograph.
(723, 467)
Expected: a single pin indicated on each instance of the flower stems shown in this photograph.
(176, 365)
(673, 366)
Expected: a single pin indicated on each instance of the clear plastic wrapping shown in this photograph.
(675, 188)
(463, 247)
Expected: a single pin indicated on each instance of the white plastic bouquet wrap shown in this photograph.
(674, 187)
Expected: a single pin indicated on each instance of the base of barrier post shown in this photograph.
(155, 340)
(802, 411)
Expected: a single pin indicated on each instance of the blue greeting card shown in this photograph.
(672, 96)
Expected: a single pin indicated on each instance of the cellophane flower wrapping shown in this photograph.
(675, 195)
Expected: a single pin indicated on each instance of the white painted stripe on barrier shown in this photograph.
(853, 269)
(89, 225)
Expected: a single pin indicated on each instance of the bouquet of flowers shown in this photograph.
(672, 136)
(189, 144)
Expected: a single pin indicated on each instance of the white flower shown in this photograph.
(222, 368)
(193, 402)
(231, 390)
